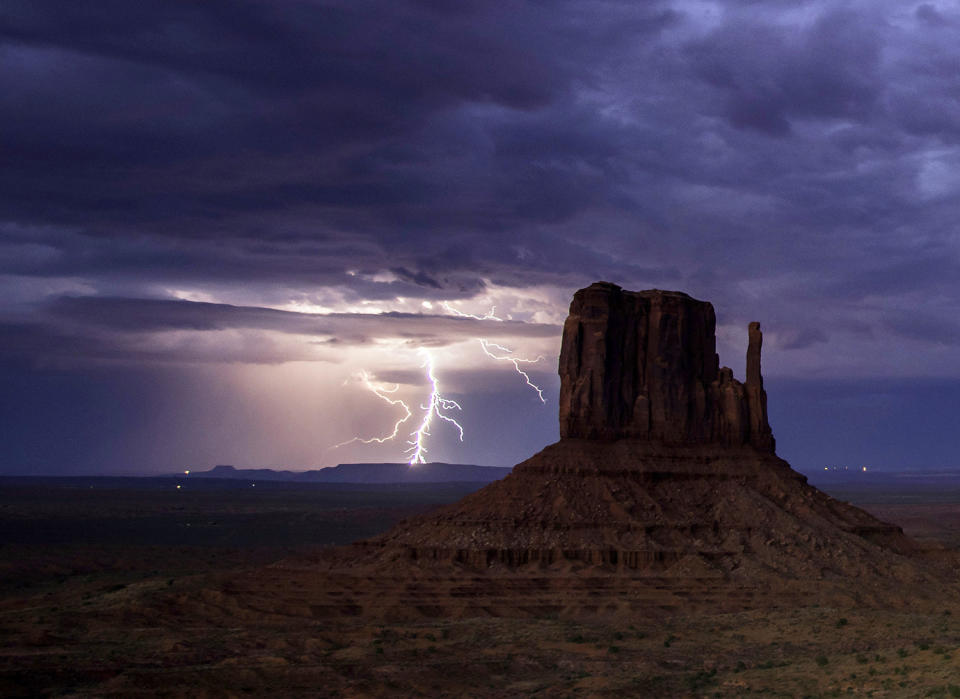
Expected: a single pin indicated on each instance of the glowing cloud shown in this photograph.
(457, 312)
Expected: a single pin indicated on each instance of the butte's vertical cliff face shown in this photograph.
(643, 365)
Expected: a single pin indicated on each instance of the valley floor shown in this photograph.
(120, 614)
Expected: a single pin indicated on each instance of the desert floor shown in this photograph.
(112, 590)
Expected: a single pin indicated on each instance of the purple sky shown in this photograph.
(215, 216)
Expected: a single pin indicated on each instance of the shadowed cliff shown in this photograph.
(643, 365)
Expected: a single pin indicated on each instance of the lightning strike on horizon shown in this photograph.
(435, 404)
(380, 391)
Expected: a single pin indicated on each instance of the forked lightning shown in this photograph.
(438, 406)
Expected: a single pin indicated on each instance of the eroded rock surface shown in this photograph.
(644, 365)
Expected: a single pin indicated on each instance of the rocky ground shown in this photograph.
(134, 618)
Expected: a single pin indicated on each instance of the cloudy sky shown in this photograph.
(222, 222)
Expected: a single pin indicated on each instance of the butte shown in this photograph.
(664, 493)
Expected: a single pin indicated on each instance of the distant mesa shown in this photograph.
(435, 472)
(219, 471)
(664, 491)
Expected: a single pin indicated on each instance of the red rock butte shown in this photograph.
(644, 365)
(664, 491)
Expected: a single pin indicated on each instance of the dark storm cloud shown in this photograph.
(918, 325)
(792, 162)
(393, 127)
(767, 75)
(33, 345)
(800, 338)
(425, 149)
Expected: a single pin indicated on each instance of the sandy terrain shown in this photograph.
(121, 615)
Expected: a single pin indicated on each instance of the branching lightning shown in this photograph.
(381, 392)
(516, 361)
(486, 345)
(457, 312)
(435, 406)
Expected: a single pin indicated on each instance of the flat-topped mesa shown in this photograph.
(643, 365)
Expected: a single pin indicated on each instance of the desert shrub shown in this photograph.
(822, 660)
(700, 679)
(842, 621)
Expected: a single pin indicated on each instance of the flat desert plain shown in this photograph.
(114, 588)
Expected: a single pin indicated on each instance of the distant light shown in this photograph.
(253, 485)
(178, 487)
(864, 469)
(826, 468)
(187, 472)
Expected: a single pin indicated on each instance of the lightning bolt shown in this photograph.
(486, 345)
(435, 406)
(457, 312)
(516, 361)
(381, 392)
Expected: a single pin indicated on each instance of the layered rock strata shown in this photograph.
(634, 505)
